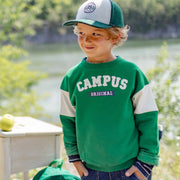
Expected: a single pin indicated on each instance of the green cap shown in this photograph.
(99, 13)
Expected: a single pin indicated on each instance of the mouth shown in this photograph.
(89, 47)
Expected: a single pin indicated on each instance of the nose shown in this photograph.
(87, 38)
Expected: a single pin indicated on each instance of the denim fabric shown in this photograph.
(99, 175)
(150, 177)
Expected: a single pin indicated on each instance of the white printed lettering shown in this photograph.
(99, 81)
(87, 84)
(106, 79)
(96, 81)
(78, 86)
(123, 84)
(115, 84)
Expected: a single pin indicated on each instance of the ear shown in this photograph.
(117, 38)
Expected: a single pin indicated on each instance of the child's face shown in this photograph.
(95, 43)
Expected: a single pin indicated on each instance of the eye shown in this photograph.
(80, 34)
(96, 34)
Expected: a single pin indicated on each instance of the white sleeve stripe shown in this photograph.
(143, 101)
(66, 107)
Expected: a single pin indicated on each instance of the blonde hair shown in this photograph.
(114, 32)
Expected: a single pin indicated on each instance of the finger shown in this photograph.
(77, 165)
(81, 168)
(85, 172)
(140, 175)
(130, 171)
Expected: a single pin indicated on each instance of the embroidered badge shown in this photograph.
(90, 7)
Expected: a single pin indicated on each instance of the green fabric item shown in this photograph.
(92, 13)
(108, 115)
(55, 173)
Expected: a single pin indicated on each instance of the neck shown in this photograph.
(100, 60)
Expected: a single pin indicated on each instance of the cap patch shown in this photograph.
(90, 7)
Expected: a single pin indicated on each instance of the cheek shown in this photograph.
(80, 42)
(106, 44)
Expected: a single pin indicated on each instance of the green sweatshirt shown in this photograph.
(109, 115)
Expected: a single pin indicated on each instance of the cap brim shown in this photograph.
(86, 21)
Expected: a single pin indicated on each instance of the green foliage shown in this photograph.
(143, 16)
(18, 18)
(12, 53)
(150, 14)
(23, 16)
(55, 12)
(165, 77)
(169, 164)
(16, 95)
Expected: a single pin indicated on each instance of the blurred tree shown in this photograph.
(141, 16)
(17, 18)
(16, 81)
(165, 77)
(150, 14)
(55, 12)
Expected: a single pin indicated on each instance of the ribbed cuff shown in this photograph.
(144, 168)
(74, 158)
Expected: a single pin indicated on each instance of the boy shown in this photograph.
(108, 112)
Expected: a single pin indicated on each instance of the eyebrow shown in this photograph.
(99, 30)
(95, 30)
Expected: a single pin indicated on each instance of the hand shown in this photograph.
(80, 168)
(135, 170)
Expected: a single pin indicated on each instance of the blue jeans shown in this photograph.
(150, 177)
(116, 175)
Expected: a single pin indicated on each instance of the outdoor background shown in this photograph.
(36, 51)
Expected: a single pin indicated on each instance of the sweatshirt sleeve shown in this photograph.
(67, 117)
(146, 116)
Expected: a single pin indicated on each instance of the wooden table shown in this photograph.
(31, 144)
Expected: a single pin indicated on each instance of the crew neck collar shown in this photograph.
(100, 65)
